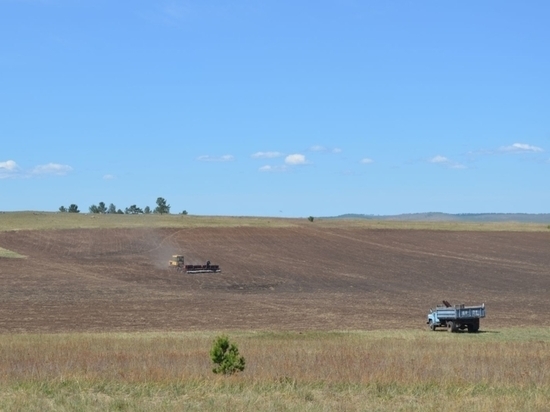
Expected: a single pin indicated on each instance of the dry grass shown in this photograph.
(55, 221)
(505, 370)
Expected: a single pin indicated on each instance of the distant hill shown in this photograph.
(460, 217)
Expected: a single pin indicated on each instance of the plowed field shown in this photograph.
(288, 278)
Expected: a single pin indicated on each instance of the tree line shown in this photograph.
(162, 208)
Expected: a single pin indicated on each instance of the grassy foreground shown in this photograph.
(504, 370)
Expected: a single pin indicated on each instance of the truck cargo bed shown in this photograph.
(461, 312)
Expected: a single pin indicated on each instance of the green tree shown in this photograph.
(225, 356)
(62, 209)
(133, 210)
(94, 209)
(162, 207)
(101, 208)
(184, 213)
(119, 212)
(147, 210)
(311, 218)
(73, 209)
(112, 209)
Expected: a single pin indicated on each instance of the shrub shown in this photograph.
(225, 356)
(310, 218)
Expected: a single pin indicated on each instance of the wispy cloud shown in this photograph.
(52, 169)
(366, 161)
(177, 10)
(515, 148)
(269, 168)
(323, 149)
(208, 158)
(266, 155)
(171, 13)
(108, 177)
(444, 161)
(439, 159)
(521, 148)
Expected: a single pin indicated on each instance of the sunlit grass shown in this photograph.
(384, 370)
(53, 221)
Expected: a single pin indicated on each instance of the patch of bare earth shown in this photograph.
(293, 278)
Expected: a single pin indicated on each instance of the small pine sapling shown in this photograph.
(225, 356)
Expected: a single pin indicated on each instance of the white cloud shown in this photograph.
(224, 158)
(336, 150)
(8, 169)
(521, 148)
(8, 165)
(444, 161)
(290, 160)
(52, 169)
(266, 155)
(108, 177)
(295, 159)
(366, 161)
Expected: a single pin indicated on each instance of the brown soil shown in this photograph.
(294, 278)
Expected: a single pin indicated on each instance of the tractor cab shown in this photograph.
(176, 261)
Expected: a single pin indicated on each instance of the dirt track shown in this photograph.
(273, 278)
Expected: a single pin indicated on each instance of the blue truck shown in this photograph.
(455, 318)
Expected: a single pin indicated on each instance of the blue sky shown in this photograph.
(276, 108)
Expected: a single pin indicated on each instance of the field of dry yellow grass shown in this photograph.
(499, 370)
(58, 221)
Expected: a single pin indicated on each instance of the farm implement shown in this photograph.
(178, 263)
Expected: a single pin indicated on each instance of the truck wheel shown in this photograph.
(454, 327)
(473, 327)
(431, 325)
(450, 326)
